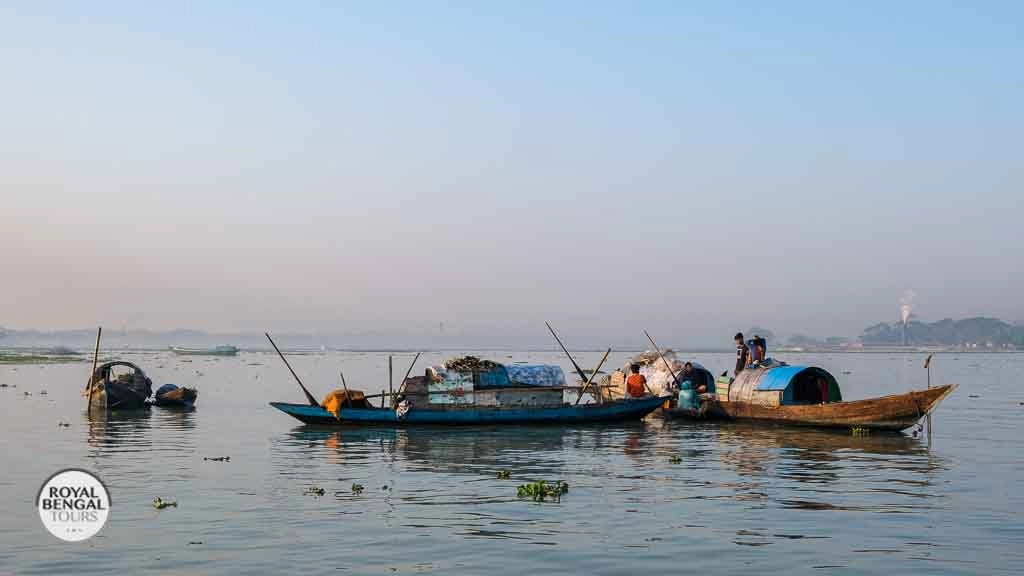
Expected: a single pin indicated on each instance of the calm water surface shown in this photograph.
(743, 500)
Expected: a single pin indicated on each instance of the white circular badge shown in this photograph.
(73, 505)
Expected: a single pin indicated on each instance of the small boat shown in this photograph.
(118, 386)
(215, 351)
(174, 396)
(618, 410)
(803, 396)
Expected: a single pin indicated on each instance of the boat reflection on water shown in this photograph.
(821, 469)
(138, 430)
(112, 429)
(763, 466)
(469, 450)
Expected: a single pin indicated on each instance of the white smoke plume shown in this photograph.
(906, 305)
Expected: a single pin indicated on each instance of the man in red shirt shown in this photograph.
(636, 383)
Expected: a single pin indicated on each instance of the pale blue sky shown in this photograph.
(690, 168)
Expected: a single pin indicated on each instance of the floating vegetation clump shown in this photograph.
(159, 503)
(860, 431)
(540, 491)
(218, 459)
(675, 460)
(29, 358)
(504, 475)
(314, 491)
(357, 488)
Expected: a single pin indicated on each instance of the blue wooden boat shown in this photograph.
(619, 410)
(174, 396)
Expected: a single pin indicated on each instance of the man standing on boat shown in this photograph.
(742, 353)
(636, 383)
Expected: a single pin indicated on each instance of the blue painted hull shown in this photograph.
(585, 413)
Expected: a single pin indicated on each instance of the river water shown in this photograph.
(739, 499)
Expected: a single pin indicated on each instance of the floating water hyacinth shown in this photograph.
(315, 491)
(504, 475)
(539, 491)
(357, 488)
(675, 460)
(159, 503)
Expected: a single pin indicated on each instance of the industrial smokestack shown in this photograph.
(905, 308)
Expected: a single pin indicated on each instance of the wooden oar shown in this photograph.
(583, 377)
(401, 387)
(309, 397)
(667, 365)
(92, 376)
(592, 376)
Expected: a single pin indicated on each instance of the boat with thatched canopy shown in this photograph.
(118, 386)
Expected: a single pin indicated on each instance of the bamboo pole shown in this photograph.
(592, 376)
(391, 377)
(348, 397)
(583, 377)
(401, 387)
(309, 397)
(928, 417)
(667, 365)
(92, 376)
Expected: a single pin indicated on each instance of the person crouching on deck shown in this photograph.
(636, 383)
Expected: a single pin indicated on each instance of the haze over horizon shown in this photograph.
(691, 170)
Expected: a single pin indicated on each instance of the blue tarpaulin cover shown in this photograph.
(535, 375)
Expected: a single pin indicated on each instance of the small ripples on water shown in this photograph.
(740, 498)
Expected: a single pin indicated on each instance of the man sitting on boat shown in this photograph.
(689, 374)
(636, 384)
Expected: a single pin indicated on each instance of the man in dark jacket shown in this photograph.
(742, 353)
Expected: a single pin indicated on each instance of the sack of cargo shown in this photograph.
(452, 387)
(722, 388)
(535, 375)
(336, 399)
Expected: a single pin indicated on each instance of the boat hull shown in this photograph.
(226, 351)
(117, 396)
(175, 397)
(890, 413)
(585, 413)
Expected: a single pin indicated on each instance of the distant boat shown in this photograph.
(111, 390)
(173, 396)
(215, 351)
(802, 396)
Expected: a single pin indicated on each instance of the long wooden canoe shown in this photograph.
(632, 409)
(893, 413)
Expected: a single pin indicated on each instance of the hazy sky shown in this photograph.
(693, 169)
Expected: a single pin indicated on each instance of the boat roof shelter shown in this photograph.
(780, 384)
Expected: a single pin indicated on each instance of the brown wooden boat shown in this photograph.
(805, 396)
(894, 413)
